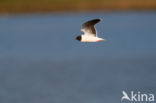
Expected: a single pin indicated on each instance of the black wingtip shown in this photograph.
(98, 19)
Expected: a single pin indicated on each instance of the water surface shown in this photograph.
(40, 60)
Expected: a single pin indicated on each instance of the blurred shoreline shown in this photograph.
(15, 6)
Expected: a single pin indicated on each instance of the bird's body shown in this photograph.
(88, 38)
(90, 33)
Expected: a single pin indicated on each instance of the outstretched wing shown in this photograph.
(89, 27)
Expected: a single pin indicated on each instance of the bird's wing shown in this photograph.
(89, 27)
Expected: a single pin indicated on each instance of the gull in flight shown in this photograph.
(90, 33)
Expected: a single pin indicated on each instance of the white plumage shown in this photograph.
(90, 33)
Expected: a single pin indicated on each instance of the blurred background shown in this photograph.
(41, 62)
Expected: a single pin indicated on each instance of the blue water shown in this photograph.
(41, 62)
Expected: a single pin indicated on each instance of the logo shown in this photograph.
(137, 97)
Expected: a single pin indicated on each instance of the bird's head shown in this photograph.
(78, 38)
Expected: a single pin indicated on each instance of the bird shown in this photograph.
(89, 32)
